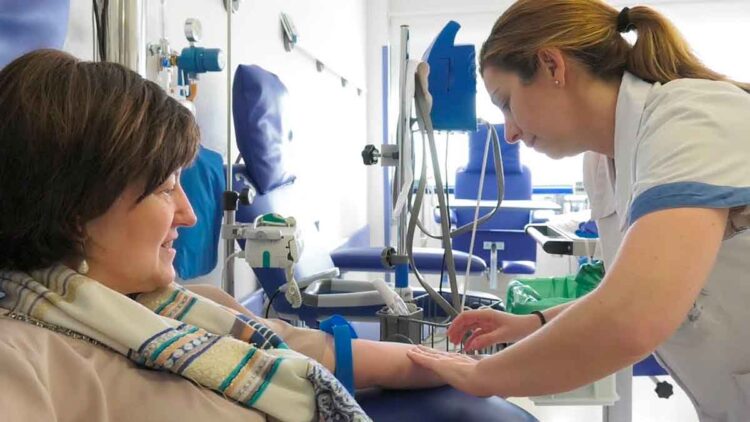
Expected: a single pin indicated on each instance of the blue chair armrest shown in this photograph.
(518, 267)
(649, 366)
(437, 405)
(428, 260)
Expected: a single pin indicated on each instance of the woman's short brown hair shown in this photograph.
(73, 136)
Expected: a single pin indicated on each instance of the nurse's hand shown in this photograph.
(489, 327)
(460, 371)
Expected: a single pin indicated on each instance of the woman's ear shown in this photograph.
(552, 66)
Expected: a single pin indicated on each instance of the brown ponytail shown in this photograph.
(587, 30)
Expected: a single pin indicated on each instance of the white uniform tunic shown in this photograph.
(687, 144)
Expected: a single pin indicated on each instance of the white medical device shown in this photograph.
(557, 239)
(392, 299)
(274, 242)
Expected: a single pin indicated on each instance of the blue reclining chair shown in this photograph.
(261, 137)
(516, 249)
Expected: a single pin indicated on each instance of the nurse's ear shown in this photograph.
(552, 66)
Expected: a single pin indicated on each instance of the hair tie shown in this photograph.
(623, 21)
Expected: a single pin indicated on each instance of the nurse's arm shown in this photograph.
(662, 265)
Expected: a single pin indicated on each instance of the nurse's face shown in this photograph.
(535, 111)
(129, 247)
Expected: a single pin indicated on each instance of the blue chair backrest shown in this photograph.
(260, 125)
(507, 225)
(29, 25)
(197, 246)
(262, 137)
(518, 185)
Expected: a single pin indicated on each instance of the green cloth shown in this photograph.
(537, 294)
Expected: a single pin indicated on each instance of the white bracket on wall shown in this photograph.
(290, 37)
(233, 5)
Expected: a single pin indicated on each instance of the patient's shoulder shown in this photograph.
(96, 381)
(23, 335)
(33, 338)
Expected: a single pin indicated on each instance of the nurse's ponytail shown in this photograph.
(592, 32)
(661, 54)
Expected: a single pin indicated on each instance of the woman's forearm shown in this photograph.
(385, 364)
(551, 313)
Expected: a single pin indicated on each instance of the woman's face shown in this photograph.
(535, 112)
(129, 248)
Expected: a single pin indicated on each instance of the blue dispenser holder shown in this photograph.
(194, 60)
(452, 81)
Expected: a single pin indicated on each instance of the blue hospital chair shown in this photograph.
(516, 249)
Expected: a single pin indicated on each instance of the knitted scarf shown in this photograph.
(178, 331)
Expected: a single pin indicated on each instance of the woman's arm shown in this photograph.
(659, 271)
(551, 313)
(376, 363)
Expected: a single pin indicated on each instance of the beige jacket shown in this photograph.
(47, 376)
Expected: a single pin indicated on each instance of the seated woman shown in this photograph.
(90, 202)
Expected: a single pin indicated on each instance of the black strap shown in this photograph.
(623, 21)
(541, 316)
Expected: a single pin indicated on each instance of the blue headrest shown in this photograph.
(452, 81)
(29, 25)
(510, 152)
(258, 108)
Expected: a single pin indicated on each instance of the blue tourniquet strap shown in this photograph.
(343, 333)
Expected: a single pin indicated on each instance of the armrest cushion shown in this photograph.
(428, 260)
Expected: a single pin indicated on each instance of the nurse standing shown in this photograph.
(668, 175)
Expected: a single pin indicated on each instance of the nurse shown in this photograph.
(667, 145)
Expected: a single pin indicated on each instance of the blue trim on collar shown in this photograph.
(687, 195)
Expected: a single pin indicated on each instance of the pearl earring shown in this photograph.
(83, 267)
(557, 83)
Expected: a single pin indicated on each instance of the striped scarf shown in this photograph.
(178, 331)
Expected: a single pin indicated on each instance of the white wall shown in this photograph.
(329, 121)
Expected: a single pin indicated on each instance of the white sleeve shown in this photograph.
(693, 151)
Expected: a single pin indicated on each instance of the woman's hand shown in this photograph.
(488, 327)
(460, 371)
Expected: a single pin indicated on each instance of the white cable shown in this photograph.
(226, 262)
(490, 130)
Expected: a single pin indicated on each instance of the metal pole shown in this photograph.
(404, 154)
(228, 281)
(403, 128)
(126, 34)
